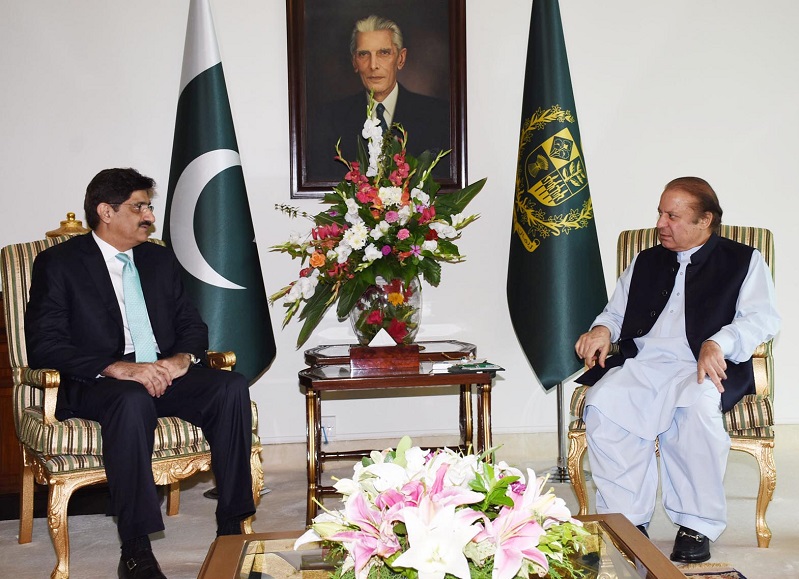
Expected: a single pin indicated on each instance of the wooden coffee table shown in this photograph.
(626, 551)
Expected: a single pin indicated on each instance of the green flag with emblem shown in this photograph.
(555, 282)
(208, 222)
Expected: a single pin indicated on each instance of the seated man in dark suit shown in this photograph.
(378, 55)
(108, 310)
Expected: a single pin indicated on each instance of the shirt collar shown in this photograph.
(109, 251)
(390, 102)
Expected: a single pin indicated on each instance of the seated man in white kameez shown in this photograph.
(688, 315)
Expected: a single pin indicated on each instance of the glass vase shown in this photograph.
(391, 305)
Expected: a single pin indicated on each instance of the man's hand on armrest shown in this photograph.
(593, 346)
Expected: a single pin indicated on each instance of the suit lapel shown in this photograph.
(97, 270)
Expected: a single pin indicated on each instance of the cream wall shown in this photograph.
(662, 90)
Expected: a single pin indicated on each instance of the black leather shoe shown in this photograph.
(642, 528)
(141, 566)
(690, 547)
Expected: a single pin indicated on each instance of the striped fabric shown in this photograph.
(753, 416)
(752, 412)
(73, 444)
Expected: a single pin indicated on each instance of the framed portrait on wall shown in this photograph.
(332, 69)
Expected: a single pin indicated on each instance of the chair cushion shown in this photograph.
(752, 417)
(78, 437)
(752, 414)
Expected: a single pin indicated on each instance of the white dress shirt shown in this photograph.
(641, 395)
(115, 271)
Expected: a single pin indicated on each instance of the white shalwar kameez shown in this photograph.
(656, 395)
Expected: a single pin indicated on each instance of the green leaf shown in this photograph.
(348, 296)
(456, 202)
(431, 270)
(403, 445)
(313, 311)
(446, 247)
(423, 163)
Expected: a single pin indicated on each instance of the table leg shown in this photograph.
(484, 417)
(313, 435)
(465, 419)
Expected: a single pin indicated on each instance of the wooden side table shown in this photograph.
(338, 376)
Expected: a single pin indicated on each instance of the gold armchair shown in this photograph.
(750, 423)
(67, 455)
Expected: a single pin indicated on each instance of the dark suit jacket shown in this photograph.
(426, 119)
(73, 322)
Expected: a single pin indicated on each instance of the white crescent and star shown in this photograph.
(190, 185)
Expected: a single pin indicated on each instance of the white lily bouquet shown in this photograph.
(411, 513)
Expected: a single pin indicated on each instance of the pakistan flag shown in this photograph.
(208, 222)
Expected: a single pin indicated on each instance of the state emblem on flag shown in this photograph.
(551, 174)
(555, 171)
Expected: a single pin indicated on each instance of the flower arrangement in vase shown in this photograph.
(385, 221)
(411, 513)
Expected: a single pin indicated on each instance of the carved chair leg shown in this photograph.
(173, 498)
(257, 485)
(60, 492)
(577, 448)
(26, 500)
(763, 452)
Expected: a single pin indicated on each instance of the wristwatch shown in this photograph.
(193, 359)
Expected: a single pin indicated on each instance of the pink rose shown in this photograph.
(403, 234)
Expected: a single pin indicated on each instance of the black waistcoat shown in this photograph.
(713, 282)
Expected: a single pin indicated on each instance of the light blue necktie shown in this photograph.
(380, 111)
(136, 311)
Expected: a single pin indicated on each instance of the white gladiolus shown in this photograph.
(430, 245)
(444, 230)
(303, 288)
(352, 212)
(380, 230)
(373, 132)
(405, 214)
(371, 253)
(420, 196)
(343, 252)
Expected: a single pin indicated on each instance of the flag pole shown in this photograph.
(560, 472)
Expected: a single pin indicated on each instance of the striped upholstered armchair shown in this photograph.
(67, 455)
(750, 423)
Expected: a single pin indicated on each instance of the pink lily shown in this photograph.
(448, 495)
(545, 506)
(516, 533)
(374, 537)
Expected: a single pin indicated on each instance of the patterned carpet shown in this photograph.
(711, 571)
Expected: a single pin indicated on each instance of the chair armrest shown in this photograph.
(221, 360)
(47, 380)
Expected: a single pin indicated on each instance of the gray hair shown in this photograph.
(373, 23)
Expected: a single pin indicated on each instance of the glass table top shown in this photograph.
(428, 350)
(605, 557)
